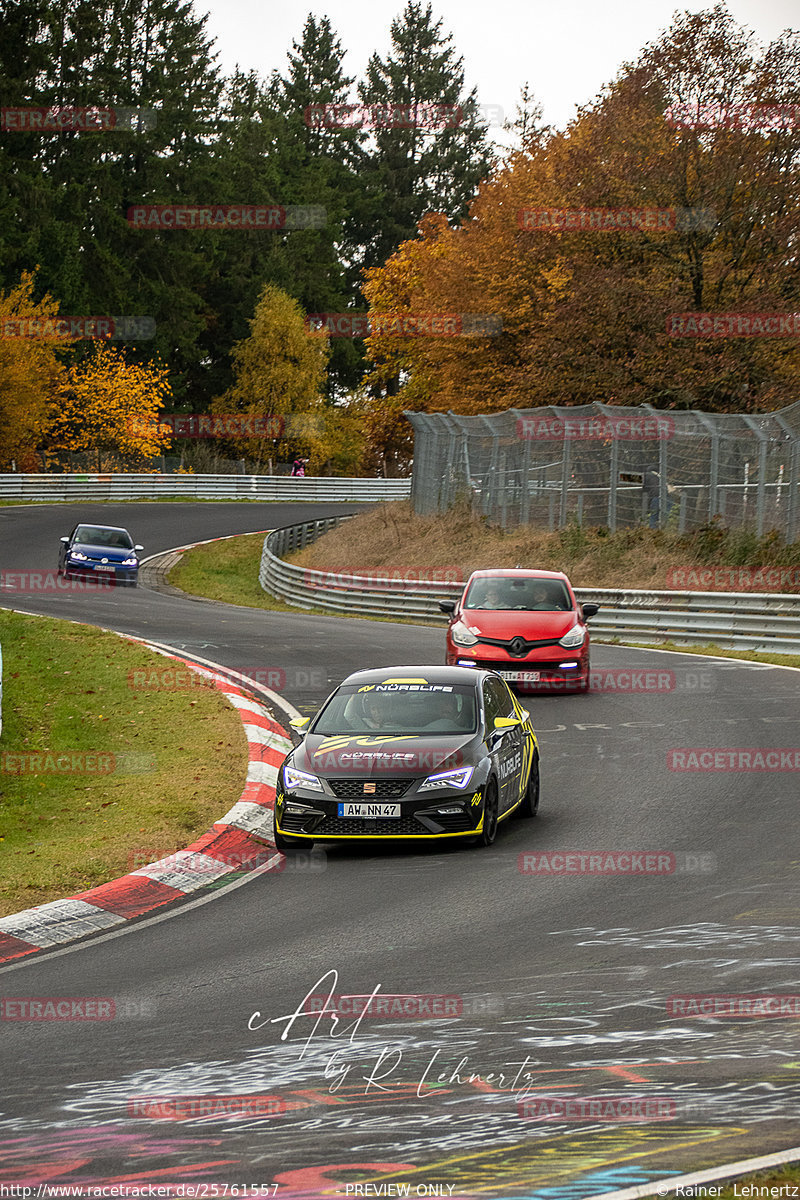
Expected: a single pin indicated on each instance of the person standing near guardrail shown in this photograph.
(299, 466)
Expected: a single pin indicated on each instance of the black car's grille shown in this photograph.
(351, 827)
(353, 789)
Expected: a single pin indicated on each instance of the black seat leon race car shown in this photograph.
(409, 753)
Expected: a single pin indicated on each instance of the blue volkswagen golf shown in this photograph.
(100, 550)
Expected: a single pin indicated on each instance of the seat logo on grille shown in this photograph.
(369, 789)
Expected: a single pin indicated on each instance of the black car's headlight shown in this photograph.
(448, 779)
(292, 778)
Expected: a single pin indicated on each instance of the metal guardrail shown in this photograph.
(734, 620)
(201, 487)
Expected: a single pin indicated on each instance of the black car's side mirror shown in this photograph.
(64, 539)
(589, 610)
(448, 606)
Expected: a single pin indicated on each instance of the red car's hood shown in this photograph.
(533, 626)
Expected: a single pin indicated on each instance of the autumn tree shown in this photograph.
(109, 407)
(279, 371)
(585, 312)
(29, 372)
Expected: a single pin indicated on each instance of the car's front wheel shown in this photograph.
(530, 801)
(490, 815)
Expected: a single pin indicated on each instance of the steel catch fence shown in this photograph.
(601, 464)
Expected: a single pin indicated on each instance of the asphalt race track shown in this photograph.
(559, 982)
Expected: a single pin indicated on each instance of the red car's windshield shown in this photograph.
(544, 595)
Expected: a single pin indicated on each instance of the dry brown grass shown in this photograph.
(391, 536)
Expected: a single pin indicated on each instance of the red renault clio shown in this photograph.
(526, 625)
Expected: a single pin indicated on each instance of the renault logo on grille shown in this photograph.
(517, 645)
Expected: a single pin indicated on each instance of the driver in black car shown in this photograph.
(378, 714)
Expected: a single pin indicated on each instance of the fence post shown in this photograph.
(612, 486)
(565, 469)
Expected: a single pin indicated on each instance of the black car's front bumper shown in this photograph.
(315, 816)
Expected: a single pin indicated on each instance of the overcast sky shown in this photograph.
(564, 49)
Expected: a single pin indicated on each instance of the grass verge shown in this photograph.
(167, 763)
(227, 571)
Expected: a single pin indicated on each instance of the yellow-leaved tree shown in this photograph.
(29, 374)
(280, 372)
(108, 406)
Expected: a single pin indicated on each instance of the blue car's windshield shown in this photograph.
(403, 708)
(96, 535)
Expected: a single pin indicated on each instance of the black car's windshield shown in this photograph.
(401, 708)
(95, 535)
(544, 595)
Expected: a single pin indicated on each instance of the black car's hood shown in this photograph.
(404, 755)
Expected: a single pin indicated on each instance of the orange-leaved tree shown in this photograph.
(29, 373)
(585, 310)
(108, 406)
